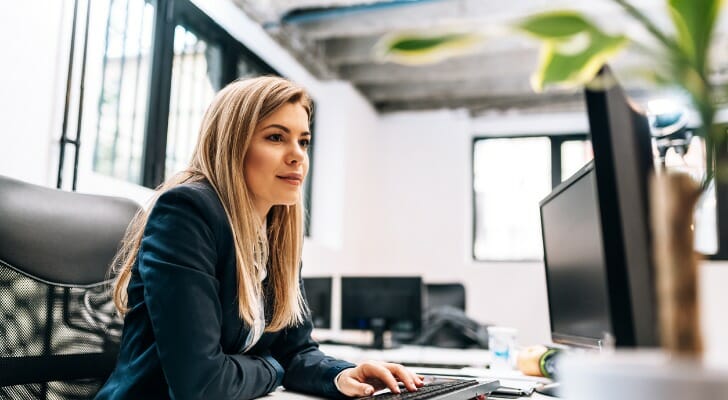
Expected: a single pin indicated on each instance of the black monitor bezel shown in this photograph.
(328, 282)
(558, 337)
(623, 161)
(623, 165)
(418, 279)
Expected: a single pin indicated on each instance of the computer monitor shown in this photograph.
(623, 163)
(382, 304)
(576, 270)
(318, 298)
(621, 168)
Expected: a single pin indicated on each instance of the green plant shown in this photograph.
(684, 53)
(574, 48)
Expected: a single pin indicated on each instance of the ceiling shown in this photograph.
(335, 39)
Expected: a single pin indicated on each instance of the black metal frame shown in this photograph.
(171, 13)
(721, 193)
(168, 14)
(64, 140)
(721, 199)
(556, 141)
(160, 83)
(64, 367)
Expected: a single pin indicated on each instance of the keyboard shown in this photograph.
(459, 389)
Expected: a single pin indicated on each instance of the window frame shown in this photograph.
(556, 139)
(169, 14)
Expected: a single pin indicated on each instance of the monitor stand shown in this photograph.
(378, 326)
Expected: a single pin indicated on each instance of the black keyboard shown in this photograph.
(450, 390)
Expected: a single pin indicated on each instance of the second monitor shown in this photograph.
(382, 304)
(318, 299)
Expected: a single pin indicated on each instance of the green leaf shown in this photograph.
(576, 61)
(555, 25)
(694, 21)
(405, 44)
(423, 48)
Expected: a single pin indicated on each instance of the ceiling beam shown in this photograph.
(519, 63)
(552, 102)
(362, 49)
(460, 14)
(464, 89)
(464, 15)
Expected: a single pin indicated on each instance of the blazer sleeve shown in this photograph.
(307, 369)
(177, 260)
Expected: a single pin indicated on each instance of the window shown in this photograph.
(156, 75)
(153, 68)
(122, 68)
(510, 176)
(196, 69)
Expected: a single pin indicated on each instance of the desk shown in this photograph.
(282, 394)
(413, 355)
(472, 363)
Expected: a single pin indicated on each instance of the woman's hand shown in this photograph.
(370, 376)
(529, 360)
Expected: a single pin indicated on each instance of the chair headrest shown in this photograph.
(65, 238)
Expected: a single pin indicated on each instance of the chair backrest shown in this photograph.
(445, 294)
(59, 333)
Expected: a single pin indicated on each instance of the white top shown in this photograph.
(256, 331)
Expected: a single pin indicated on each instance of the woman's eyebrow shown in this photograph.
(279, 126)
(285, 129)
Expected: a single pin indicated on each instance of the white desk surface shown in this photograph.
(476, 360)
(413, 355)
(282, 394)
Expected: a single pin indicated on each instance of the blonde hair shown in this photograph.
(227, 128)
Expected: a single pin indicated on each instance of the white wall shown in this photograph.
(392, 194)
(713, 301)
(420, 217)
(32, 76)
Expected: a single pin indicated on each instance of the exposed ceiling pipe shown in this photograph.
(315, 14)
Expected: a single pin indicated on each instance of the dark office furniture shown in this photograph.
(445, 294)
(445, 322)
(382, 303)
(318, 299)
(58, 329)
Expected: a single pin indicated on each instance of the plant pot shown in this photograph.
(639, 375)
(673, 197)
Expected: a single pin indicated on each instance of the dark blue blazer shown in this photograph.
(182, 335)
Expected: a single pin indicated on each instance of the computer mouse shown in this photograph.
(549, 389)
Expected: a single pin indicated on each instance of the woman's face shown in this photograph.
(277, 160)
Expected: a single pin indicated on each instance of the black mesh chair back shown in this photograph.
(445, 321)
(445, 294)
(59, 334)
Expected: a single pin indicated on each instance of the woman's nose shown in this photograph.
(296, 154)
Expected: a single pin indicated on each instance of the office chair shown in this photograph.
(445, 322)
(445, 294)
(59, 333)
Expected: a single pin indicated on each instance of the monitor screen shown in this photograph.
(318, 298)
(575, 264)
(382, 304)
(595, 226)
(623, 163)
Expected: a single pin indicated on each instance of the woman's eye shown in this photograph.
(305, 143)
(276, 137)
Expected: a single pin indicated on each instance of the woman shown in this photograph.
(209, 280)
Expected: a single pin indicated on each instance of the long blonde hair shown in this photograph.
(227, 128)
